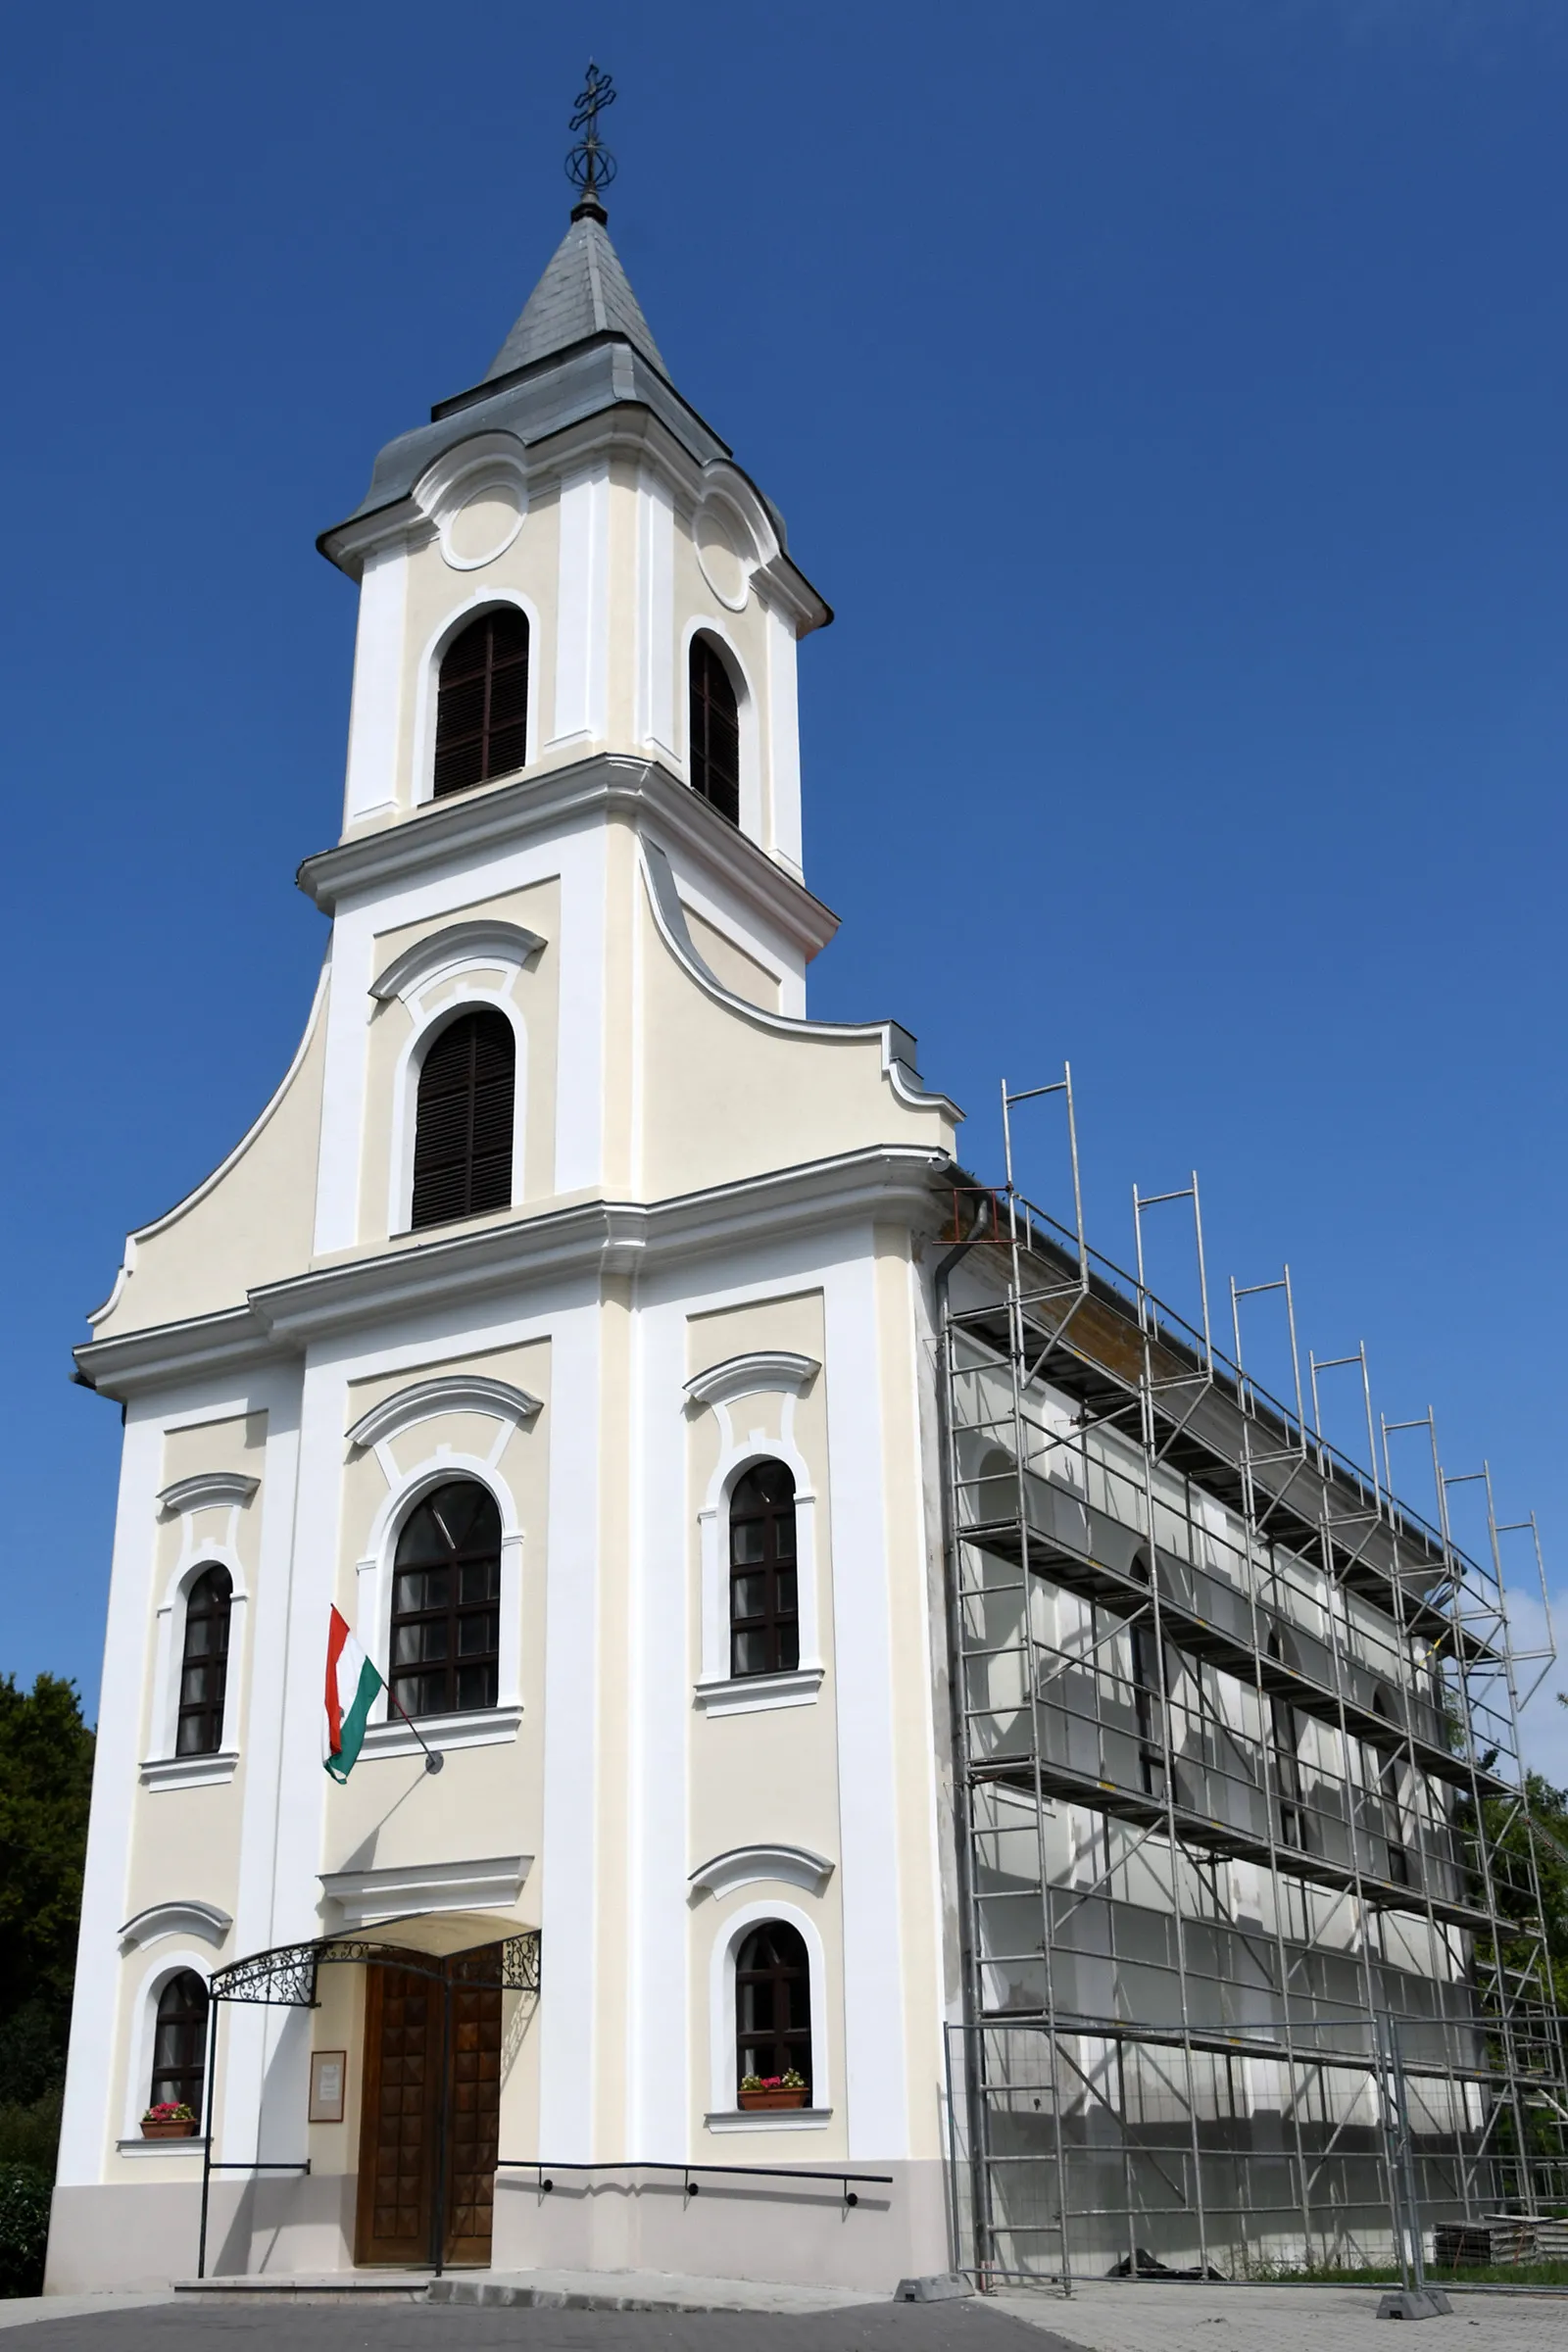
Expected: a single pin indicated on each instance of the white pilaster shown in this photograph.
(582, 614)
(372, 763)
(655, 615)
(782, 814)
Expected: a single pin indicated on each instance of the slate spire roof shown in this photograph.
(583, 292)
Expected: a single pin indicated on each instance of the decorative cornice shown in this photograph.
(488, 816)
(753, 1865)
(450, 950)
(885, 1181)
(186, 1917)
(209, 1490)
(452, 1393)
(364, 1898)
(210, 1771)
(770, 1368)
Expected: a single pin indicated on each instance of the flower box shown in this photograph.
(170, 2131)
(778, 2095)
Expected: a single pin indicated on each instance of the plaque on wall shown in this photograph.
(328, 2071)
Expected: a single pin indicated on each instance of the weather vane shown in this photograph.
(590, 166)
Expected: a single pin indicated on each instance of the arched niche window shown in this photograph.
(204, 1664)
(714, 734)
(1285, 1747)
(463, 1127)
(481, 708)
(179, 2042)
(445, 1652)
(773, 2004)
(765, 1625)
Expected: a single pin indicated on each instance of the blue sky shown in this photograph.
(1169, 400)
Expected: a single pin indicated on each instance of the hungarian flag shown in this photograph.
(352, 1684)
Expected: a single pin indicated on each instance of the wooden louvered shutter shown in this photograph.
(481, 722)
(715, 731)
(463, 1137)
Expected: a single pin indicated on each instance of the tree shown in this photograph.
(46, 1754)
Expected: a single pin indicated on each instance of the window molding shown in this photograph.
(715, 624)
(185, 1916)
(751, 1865)
(485, 944)
(428, 676)
(374, 1574)
(427, 1024)
(470, 1727)
(768, 1372)
(139, 2040)
(729, 1937)
(368, 1898)
(160, 1767)
(209, 1490)
(448, 1392)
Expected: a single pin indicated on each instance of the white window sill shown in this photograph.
(475, 1727)
(189, 1772)
(748, 1693)
(159, 2149)
(770, 2119)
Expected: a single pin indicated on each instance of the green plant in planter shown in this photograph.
(788, 2080)
(169, 2111)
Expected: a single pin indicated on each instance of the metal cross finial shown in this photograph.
(590, 166)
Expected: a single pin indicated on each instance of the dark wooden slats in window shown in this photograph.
(481, 718)
(204, 1664)
(462, 1138)
(773, 2003)
(446, 1602)
(179, 2042)
(715, 731)
(764, 1633)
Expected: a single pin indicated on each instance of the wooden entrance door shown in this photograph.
(402, 2113)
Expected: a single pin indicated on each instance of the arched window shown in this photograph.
(481, 706)
(715, 733)
(765, 1625)
(463, 1131)
(773, 2004)
(204, 1664)
(446, 1602)
(179, 2042)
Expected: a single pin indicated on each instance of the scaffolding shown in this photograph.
(1255, 1967)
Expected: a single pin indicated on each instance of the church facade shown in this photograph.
(564, 1324)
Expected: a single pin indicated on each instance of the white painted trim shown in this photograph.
(783, 838)
(655, 721)
(748, 710)
(471, 1727)
(142, 2015)
(209, 1490)
(448, 1392)
(366, 1898)
(751, 1865)
(428, 1024)
(757, 1693)
(483, 945)
(161, 2151)
(189, 1772)
(718, 499)
(426, 678)
(768, 1370)
(375, 711)
(721, 2002)
(582, 608)
(185, 1916)
(499, 470)
(375, 1578)
(777, 2119)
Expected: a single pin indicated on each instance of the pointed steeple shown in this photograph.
(583, 292)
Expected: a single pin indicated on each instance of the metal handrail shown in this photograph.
(689, 2187)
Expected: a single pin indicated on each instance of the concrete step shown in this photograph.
(308, 2287)
(635, 2290)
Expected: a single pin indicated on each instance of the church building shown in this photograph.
(561, 1325)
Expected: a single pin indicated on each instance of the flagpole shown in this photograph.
(432, 1761)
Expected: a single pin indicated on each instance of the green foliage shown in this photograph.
(46, 1755)
(29, 2132)
(24, 2227)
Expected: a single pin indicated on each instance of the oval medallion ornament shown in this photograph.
(726, 565)
(483, 526)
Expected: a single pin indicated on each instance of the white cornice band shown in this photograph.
(756, 1865)
(456, 947)
(209, 1490)
(771, 1370)
(453, 1393)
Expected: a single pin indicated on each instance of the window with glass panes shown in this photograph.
(204, 1664)
(179, 2042)
(773, 2003)
(446, 1602)
(764, 1630)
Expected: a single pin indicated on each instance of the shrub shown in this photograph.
(24, 2227)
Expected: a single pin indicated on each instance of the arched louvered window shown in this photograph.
(765, 1626)
(204, 1664)
(463, 1131)
(715, 733)
(446, 1602)
(481, 712)
(179, 2042)
(773, 2003)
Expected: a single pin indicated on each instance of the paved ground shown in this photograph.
(1282, 2319)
